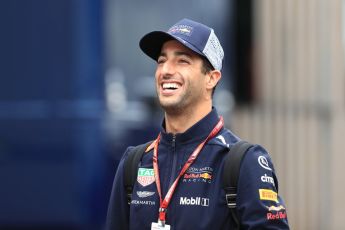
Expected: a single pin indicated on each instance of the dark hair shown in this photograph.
(207, 67)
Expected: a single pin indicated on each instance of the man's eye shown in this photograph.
(184, 61)
(160, 61)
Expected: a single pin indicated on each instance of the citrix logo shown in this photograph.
(195, 201)
(267, 179)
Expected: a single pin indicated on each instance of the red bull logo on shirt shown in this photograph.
(276, 216)
(276, 208)
(203, 174)
(197, 175)
(276, 212)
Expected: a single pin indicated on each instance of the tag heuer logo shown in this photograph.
(145, 176)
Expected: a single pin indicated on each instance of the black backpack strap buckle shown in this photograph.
(230, 196)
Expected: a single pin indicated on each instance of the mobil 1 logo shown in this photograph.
(195, 201)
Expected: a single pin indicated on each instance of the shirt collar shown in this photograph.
(197, 132)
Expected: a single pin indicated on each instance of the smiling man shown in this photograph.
(179, 177)
(184, 90)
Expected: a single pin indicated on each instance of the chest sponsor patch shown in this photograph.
(143, 202)
(145, 176)
(143, 194)
(193, 175)
(195, 201)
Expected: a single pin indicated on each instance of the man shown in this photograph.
(179, 179)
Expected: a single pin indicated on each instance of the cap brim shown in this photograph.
(151, 44)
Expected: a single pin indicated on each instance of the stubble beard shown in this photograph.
(172, 106)
(182, 104)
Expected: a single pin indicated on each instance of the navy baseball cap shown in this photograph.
(194, 35)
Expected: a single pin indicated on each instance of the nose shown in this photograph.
(167, 69)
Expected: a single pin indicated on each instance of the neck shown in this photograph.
(181, 122)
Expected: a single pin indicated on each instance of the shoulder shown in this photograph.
(258, 191)
(225, 138)
(142, 148)
(257, 170)
(131, 150)
(259, 158)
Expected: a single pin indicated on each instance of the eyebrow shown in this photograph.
(176, 53)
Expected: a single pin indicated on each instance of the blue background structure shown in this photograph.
(52, 156)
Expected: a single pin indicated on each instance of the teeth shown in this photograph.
(170, 86)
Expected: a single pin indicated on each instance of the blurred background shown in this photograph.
(76, 90)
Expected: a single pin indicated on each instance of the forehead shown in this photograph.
(175, 46)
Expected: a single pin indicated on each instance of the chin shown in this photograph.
(170, 107)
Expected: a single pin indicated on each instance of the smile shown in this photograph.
(171, 86)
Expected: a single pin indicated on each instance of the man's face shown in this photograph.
(180, 82)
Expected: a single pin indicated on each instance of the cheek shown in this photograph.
(200, 81)
(201, 84)
(157, 75)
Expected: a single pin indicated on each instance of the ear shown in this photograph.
(212, 79)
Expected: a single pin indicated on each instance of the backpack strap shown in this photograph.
(131, 168)
(231, 174)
